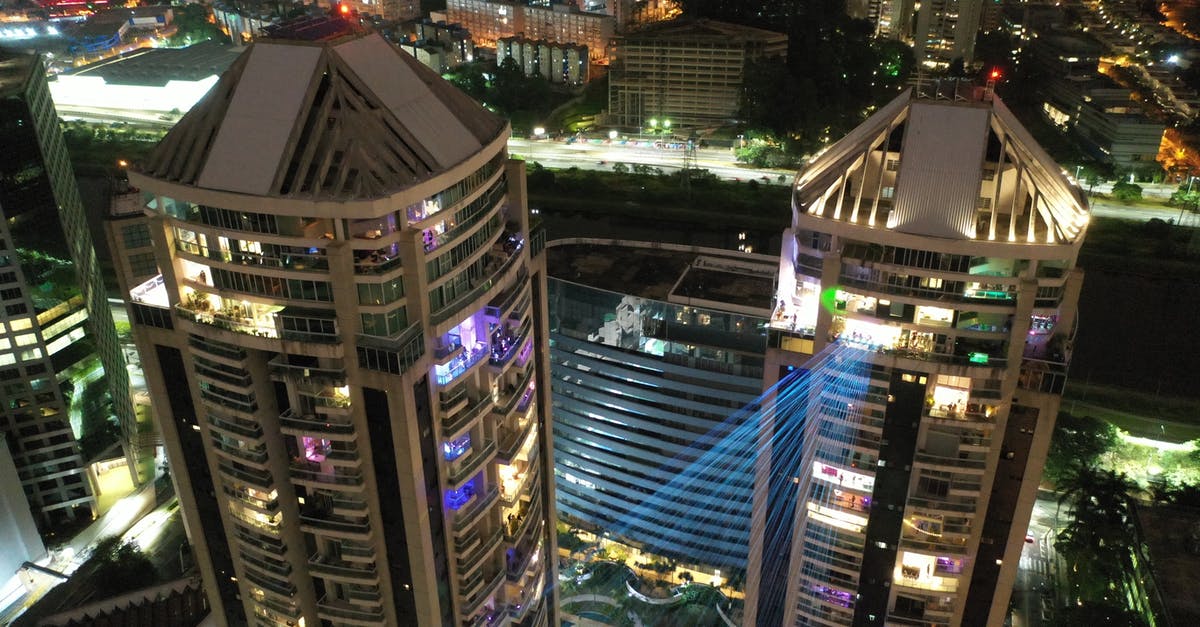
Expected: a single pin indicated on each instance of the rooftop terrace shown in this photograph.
(661, 274)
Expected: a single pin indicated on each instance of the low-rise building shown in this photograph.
(491, 20)
(557, 63)
(686, 71)
(157, 80)
(1106, 120)
(562, 23)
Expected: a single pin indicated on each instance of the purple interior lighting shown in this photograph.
(457, 498)
(456, 448)
(315, 449)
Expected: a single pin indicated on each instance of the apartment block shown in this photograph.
(346, 340)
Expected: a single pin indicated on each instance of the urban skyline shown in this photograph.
(386, 398)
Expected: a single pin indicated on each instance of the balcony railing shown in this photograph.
(464, 517)
(956, 463)
(468, 562)
(453, 424)
(297, 424)
(309, 472)
(461, 364)
(480, 288)
(465, 468)
(335, 377)
(336, 610)
(244, 326)
(474, 596)
(501, 357)
(323, 565)
(315, 523)
(248, 431)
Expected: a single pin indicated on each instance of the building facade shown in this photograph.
(653, 349)
(37, 181)
(557, 63)
(489, 21)
(565, 24)
(341, 343)
(686, 71)
(935, 245)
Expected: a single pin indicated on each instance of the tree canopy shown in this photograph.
(835, 73)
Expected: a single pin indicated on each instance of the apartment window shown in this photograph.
(10, 294)
(136, 236)
(984, 203)
(143, 264)
(16, 309)
(893, 165)
(887, 193)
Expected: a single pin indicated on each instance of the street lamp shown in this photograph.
(538, 132)
(612, 135)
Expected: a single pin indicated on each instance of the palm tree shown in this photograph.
(1097, 542)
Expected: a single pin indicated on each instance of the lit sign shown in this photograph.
(978, 358)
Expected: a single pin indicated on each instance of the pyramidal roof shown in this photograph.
(944, 163)
(347, 116)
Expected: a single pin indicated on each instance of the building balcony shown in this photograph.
(357, 554)
(281, 370)
(965, 462)
(310, 474)
(465, 467)
(339, 570)
(506, 302)
(940, 505)
(501, 269)
(240, 429)
(460, 365)
(266, 506)
(258, 478)
(511, 440)
(506, 346)
(344, 506)
(291, 423)
(454, 425)
(318, 525)
(473, 511)
(478, 590)
(477, 549)
(341, 612)
(229, 322)
(280, 589)
(514, 395)
(516, 528)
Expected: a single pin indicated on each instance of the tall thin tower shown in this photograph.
(36, 178)
(344, 339)
(941, 241)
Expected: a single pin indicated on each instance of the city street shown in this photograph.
(1033, 594)
(603, 154)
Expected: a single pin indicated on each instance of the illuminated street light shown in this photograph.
(666, 124)
(612, 134)
(538, 131)
(653, 123)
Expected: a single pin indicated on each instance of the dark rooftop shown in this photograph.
(653, 272)
(15, 68)
(312, 28)
(157, 66)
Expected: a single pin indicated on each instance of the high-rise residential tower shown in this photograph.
(36, 181)
(342, 342)
(935, 244)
